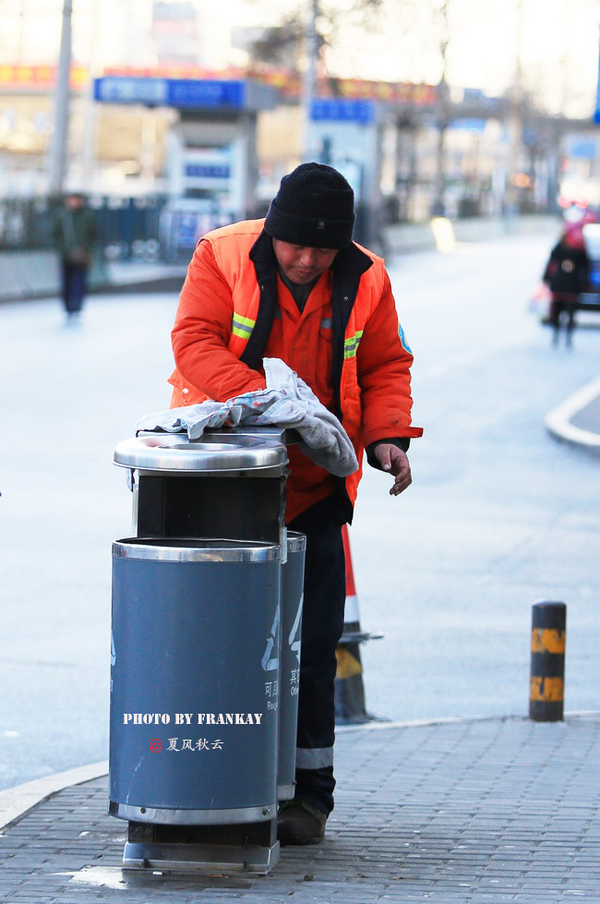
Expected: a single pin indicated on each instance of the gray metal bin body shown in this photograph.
(195, 656)
(292, 592)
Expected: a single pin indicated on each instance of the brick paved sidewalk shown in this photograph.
(484, 810)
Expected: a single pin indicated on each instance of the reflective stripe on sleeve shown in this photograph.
(242, 326)
(351, 344)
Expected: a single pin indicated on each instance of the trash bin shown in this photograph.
(292, 592)
(193, 729)
(196, 659)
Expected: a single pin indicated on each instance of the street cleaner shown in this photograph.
(294, 288)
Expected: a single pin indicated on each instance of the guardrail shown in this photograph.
(128, 228)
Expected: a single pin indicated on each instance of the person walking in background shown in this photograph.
(74, 235)
(566, 275)
(295, 286)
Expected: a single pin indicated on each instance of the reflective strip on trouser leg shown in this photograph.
(314, 757)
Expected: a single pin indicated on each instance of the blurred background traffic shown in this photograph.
(175, 117)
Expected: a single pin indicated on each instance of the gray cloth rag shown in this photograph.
(287, 402)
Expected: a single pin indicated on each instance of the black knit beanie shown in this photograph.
(314, 207)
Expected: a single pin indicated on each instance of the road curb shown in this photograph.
(379, 725)
(18, 801)
(558, 421)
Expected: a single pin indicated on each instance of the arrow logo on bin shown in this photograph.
(268, 662)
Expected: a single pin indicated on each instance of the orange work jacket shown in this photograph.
(346, 344)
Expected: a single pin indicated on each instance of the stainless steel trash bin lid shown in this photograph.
(175, 453)
(189, 549)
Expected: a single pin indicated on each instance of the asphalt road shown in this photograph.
(499, 515)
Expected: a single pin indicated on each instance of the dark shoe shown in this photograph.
(300, 823)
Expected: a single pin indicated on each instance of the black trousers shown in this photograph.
(563, 303)
(74, 286)
(322, 626)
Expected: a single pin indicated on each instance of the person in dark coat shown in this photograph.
(74, 235)
(566, 275)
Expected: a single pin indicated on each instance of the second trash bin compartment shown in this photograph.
(195, 657)
(292, 595)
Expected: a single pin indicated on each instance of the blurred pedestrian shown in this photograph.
(74, 234)
(566, 275)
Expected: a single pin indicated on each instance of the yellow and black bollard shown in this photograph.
(548, 639)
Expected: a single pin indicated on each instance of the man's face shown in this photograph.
(300, 263)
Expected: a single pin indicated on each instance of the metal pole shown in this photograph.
(59, 143)
(88, 150)
(309, 86)
(515, 123)
(548, 641)
(438, 206)
(21, 44)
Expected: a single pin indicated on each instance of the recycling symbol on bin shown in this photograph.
(269, 662)
(295, 633)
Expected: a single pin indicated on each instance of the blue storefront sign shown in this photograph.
(180, 93)
(116, 89)
(208, 170)
(335, 109)
(199, 93)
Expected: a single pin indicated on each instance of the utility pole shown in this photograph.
(515, 123)
(309, 86)
(21, 40)
(88, 151)
(60, 136)
(438, 207)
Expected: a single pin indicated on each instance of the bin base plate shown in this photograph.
(210, 858)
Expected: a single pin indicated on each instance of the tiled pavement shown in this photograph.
(487, 810)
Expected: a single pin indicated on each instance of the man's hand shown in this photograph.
(394, 460)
